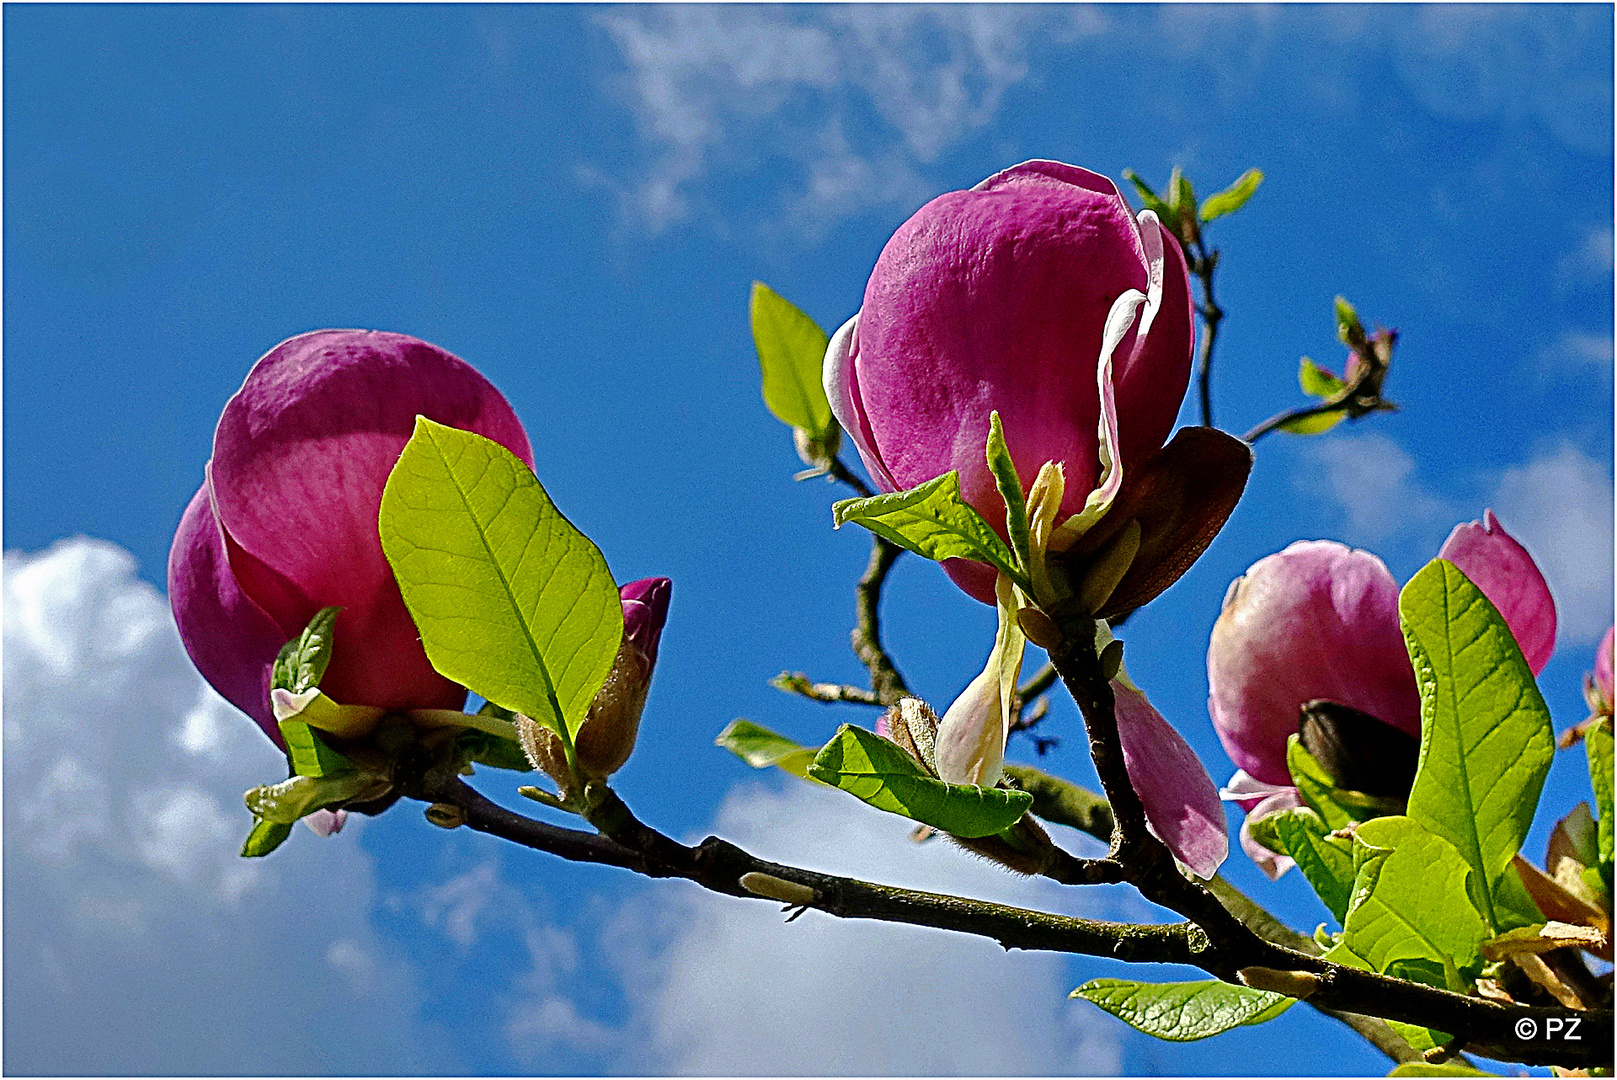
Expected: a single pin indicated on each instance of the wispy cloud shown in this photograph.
(844, 102)
(1374, 481)
(1559, 505)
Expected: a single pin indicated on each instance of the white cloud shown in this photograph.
(1593, 257)
(1577, 350)
(1559, 505)
(724, 986)
(1373, 479)
(136, 939)
(759, 91)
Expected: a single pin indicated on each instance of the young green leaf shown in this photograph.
(1411, 900)
(1010, 489)
(1486, 739)
(761, 748)
(265, 838)
(1233, 197)
(1448, 1068)
(309, 753)
(1315, 785)
(1153, 202)
(1597, 743)
(1314, 424)
(1347, 320)
(511, 599)
(286, 802)
(879, 772)
(1325, 860)
(303, 660)
(933, 521)
(1316, 381)
(1183, 1011)
(791, 350)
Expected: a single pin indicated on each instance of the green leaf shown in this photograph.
(1325, 860)
(1181, 196)
(265, 838)
(1347, 320)
(1010, 489)
(1422, 1068)
(1233, 197)
(1597, 743)
(1486, 739)
(879, 772)
(1153, 202)
(511, 599)
(933, 521)
(761, 748)
(1314, 423)
(493, 751)
(1316, 786)
(309, 753)
(1184, 1011)
(302, 661)
(1316, 381)
(791, 352)
(1411, 900)
(286, 802)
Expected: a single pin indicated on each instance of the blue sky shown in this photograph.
(575, 200)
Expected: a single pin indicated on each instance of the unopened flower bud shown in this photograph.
(605, 738)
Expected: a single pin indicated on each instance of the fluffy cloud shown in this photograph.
(722, 986)
(136, 940)
(1374, 481)
(1559, 505)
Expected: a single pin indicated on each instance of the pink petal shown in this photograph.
(1181, 803)
(1317, 620)
(1603, 664)
(1507, 575)
(1272, 863)
(232, 640)
(300, 458)
(645, 610)
(326, 822)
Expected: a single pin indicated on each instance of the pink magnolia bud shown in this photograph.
(606, 737)
(1319, 621)
(285, 522)
(1603, 665)
(996, 299)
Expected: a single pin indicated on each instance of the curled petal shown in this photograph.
(1603, 666)
(1272, 863)
(1181, 804)
(1317, 620)
(326, 822)
(1508, 576)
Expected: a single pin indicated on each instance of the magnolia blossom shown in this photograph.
(1319, 622)
(285, 521)
(607, 734)
(1015, 296)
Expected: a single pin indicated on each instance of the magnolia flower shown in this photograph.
(1597, 687)
(1037, 294)
(1317, 624)
(285, 521)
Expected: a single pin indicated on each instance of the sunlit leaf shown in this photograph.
(762, 748)
(933, 521)
(791, 350)
(511, 599)
(1233, 197)
(1316, 381)
(302, 661)
(1183, 1011)
(879, 772)
(1486, 739)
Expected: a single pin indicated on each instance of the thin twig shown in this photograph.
(1203, 265)
(795, 682)
(885, 681)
